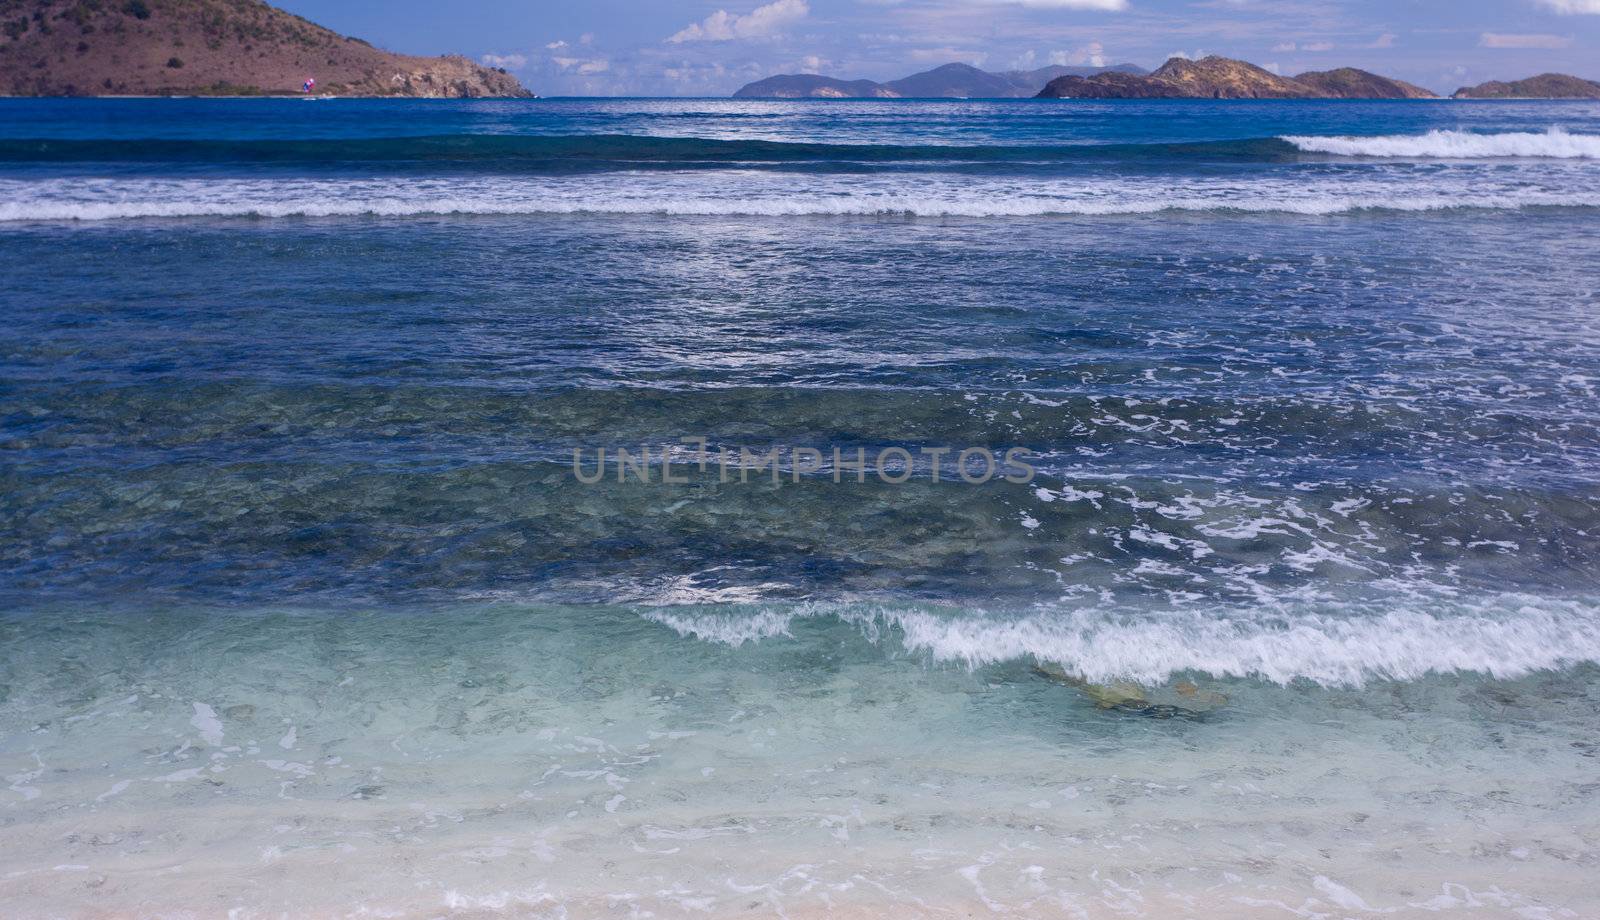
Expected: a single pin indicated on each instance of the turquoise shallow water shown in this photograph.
(538, 760)
(305, 610)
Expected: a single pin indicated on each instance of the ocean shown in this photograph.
(893, 508)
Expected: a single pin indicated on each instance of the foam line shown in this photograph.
(1332, 644)
(1458, 145)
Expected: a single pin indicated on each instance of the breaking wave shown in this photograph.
(532, 153)
(737, 195)
(1466, 145)
(1504, 637)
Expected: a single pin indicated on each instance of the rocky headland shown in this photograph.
(211, 48)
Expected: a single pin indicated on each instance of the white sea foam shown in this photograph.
(738, 194)
(205, 721)
(1333, 645)
(1465, 145)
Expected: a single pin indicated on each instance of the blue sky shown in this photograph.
(687, 47)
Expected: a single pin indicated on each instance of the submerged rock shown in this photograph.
(1188, 700)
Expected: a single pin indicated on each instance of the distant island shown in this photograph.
(211, 48)
(1544, 86)
(250, 48)
(1179, 78)
(1225, 78)
(951, 81)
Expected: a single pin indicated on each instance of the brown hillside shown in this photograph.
(1350, 83)
(210, 47)
(1544, 86)
(1112, 86)
(1224, 78)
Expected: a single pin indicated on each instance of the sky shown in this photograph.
(712, 47)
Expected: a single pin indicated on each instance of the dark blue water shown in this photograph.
(1296, 356)
(908, 122)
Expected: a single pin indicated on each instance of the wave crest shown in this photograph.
(1333, 645)
(1458, 145)
(739, 196)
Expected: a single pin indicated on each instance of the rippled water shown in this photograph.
(304, 608)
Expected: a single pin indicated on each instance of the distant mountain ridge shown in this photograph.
(1225, 78)
(1543, 86)
(210, 47)
(950, 81)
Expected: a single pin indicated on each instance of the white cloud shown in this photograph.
(761, 22)
(1574, 7)
(1092, 54)
(948, 55)
(1501, 40)
(582, 66)
(1284, 46)
(506, 61)
(556, 45)
(1317, 46)
(1110, 6)
(1386, 40)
